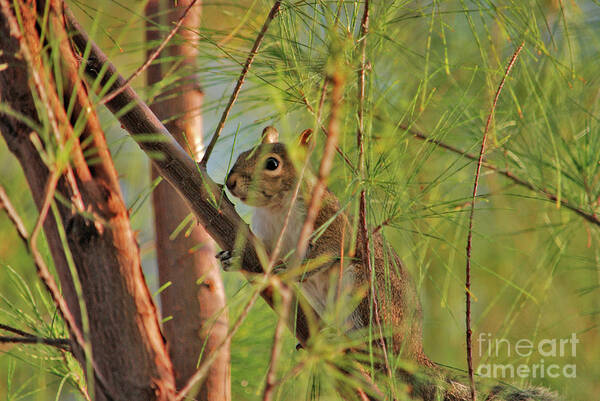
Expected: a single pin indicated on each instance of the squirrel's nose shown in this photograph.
(231, 182)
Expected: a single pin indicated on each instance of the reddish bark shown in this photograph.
(185, 260)
(128, 348)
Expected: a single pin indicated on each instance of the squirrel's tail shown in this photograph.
(459, 392)
(505, 393)
(444, 386)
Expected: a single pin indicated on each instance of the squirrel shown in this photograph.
(265, 177)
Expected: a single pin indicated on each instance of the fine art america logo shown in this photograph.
(525, 348)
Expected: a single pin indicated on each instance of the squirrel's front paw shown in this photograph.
(226, 258)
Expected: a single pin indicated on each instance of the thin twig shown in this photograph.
(279, 243)
(363, 231)
(286, 299)
(150, 59)
(366, 251)
(292, 372)
(323, 129)
(591, 217)
(362, 395)
(319, 111)
(324, 167)
(332, 133)
(203, 369)
(6, 204)
(369, 381)
(15, 330)
(320, 107)
(472, 211)
(364, 30)
(240, 81)
(43, 270)
(61, 343)
(366, 260)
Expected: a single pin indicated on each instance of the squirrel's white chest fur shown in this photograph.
(267, 224)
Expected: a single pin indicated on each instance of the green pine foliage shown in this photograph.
(433, 67)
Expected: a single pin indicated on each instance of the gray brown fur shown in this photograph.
(399, 306)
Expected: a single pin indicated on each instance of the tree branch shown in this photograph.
(151, 57)
(240, 82)
(174, 164)
(591, 217)
(208, 360)
(27, 338)
(61, 343)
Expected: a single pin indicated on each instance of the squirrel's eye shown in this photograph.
(272, 163)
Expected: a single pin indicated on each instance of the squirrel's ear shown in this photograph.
(270, 135)
(306, 139)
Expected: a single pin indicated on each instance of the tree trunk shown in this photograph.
(196, 295)
(127, 345)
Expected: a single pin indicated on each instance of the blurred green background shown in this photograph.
(434, 66)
